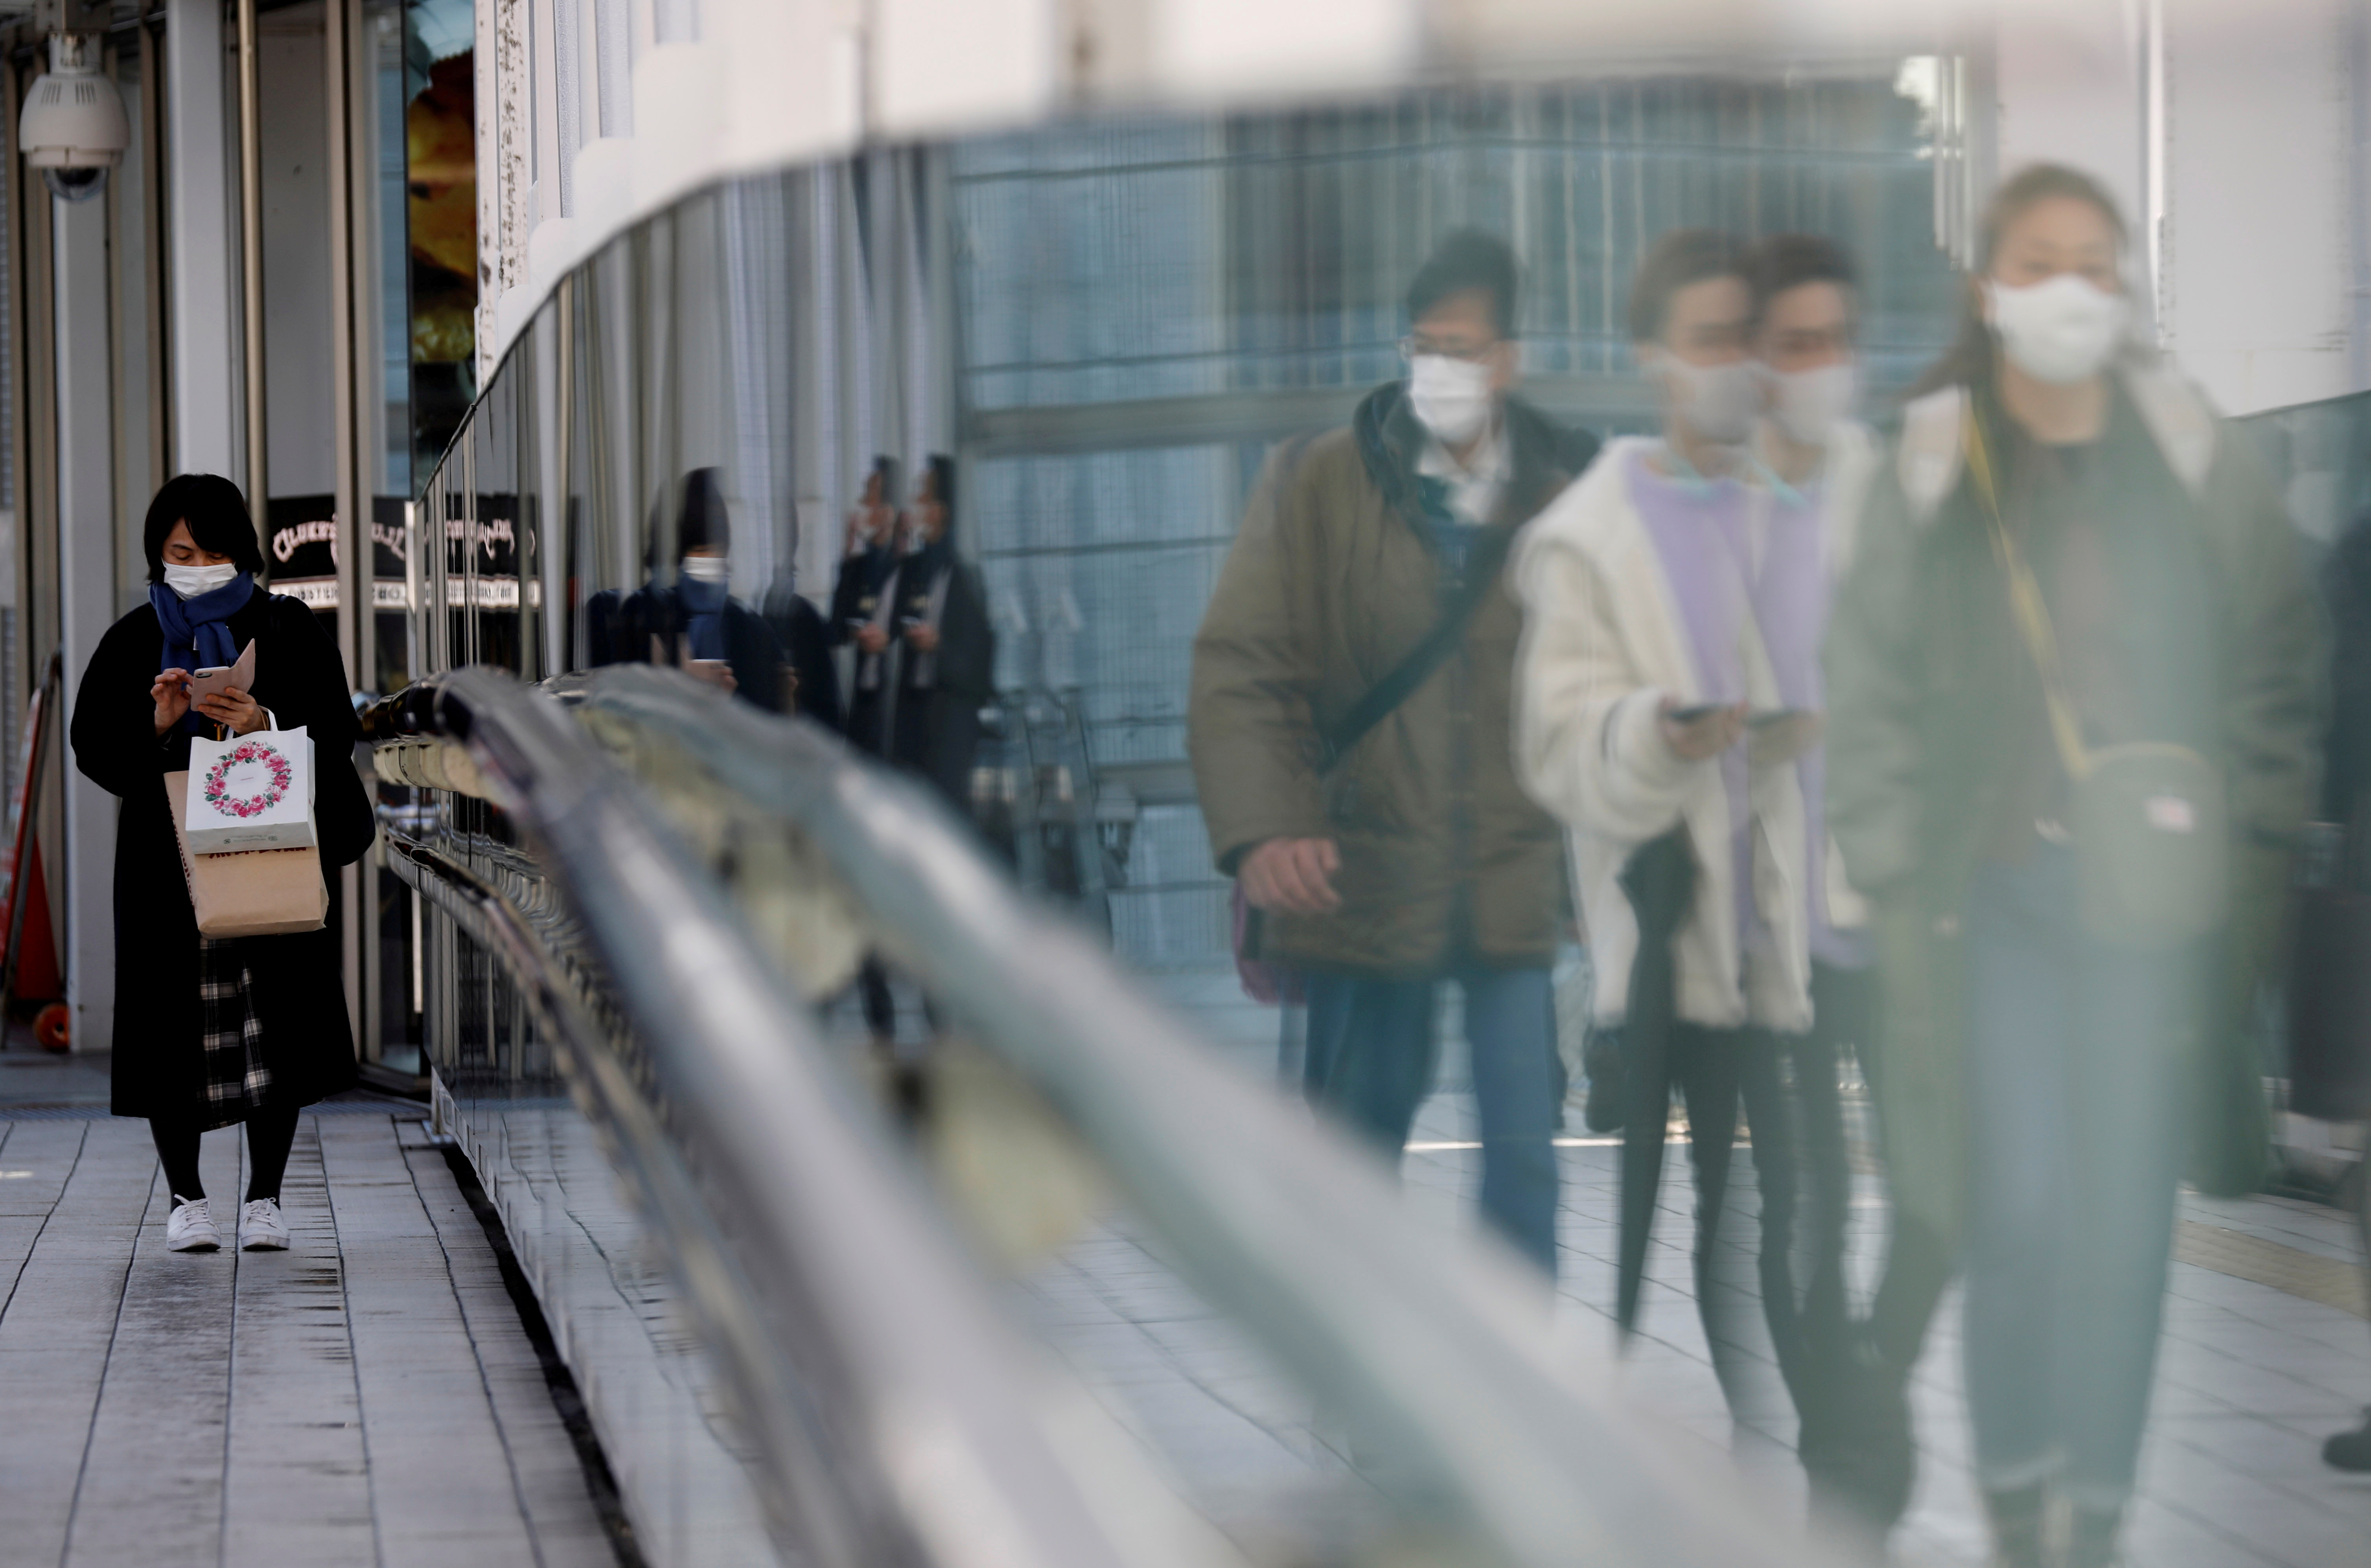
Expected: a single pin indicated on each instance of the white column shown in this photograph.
(2259, 238)
(85, 597)
(203, 255)
(2073, 91)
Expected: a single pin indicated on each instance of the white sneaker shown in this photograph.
(260, 1229)
(190, 1229)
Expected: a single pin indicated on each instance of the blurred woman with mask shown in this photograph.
(696, 623)
(1658, 720)
(2075, 695)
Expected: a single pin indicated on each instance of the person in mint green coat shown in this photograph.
(2041, 1085)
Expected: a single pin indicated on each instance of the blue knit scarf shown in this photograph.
(703, 610)
(197, 631)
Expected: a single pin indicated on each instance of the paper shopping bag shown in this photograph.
(250, 792)
(256, 892)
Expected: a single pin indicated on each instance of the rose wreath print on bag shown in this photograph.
(275, 788)
(248, 792)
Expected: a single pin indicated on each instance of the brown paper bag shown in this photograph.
(256, 893)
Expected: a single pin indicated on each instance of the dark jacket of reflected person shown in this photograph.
(297, 990)
(695, 621)
(1339, 572)
(863, 606)
(945, 663)
(806, 641)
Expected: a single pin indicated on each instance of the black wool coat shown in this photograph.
(938, 726)
(806, 637)
(300, 988)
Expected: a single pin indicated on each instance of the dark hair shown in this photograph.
(1467, 261)
(703, 521)
(1969, 360)
(885, 468)
(217, 517)
(943, 490)
(1783, 261)
(1682, 258)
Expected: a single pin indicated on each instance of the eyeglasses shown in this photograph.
(1412, 347)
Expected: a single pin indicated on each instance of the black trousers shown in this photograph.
(271, 1134)
(1789, 1089)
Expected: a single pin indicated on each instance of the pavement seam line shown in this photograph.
(43, 1228)
(114, 1333)
(477, 1357)
(353, 1350)
(230, 1361)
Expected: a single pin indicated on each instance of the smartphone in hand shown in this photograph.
(216, 679)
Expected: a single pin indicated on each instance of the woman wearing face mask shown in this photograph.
(1641, 664)
(716, 637)
(2074, 705)
(271, 1036)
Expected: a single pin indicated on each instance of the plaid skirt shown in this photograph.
(237, 1080)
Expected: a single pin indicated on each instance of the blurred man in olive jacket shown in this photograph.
(1349, 735)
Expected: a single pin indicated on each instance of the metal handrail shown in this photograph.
(1437, 1348)
(900, 1420)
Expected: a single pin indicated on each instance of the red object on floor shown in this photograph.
(38, 976)
(52, 1028)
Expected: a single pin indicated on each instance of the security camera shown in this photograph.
(73, 130)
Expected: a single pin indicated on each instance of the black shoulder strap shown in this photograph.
(1482, 564)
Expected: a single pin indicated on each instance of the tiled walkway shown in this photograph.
(367, 1398)
(370, 1397)
(2251, 1380)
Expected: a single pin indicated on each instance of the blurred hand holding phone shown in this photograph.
(1782, 734)
(1702, 730)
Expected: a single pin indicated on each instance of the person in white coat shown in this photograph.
(1656, 718)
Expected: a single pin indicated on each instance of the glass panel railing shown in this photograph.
(1069, 1125)
(887, 1411)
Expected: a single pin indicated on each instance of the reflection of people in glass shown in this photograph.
(1349, 734)
(2330, 1058)
(1669, 699)
(922, 625)
(806, 641)
(2075, 629)
(696, 623)
(863, 602)
(947, 663)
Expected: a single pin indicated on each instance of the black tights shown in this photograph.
(269, 1136)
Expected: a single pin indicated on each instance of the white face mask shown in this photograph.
(1808, 405)
(189, 582)
(1451, 397)
(2062, 330)
(707, 569)
(1717, 401)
